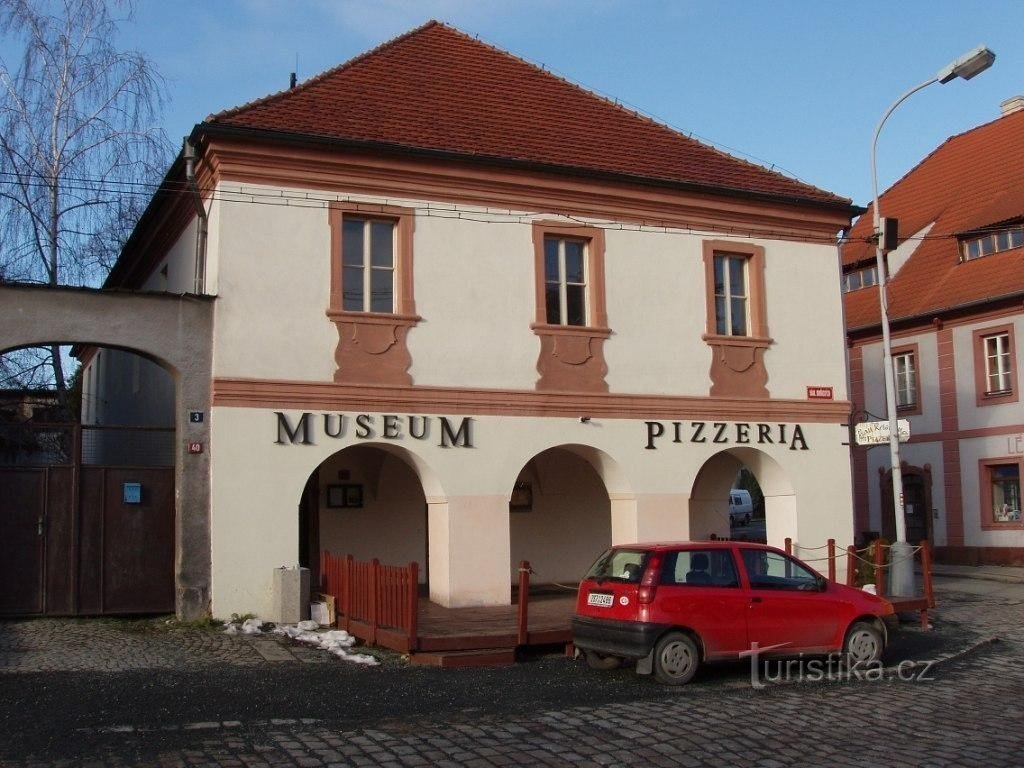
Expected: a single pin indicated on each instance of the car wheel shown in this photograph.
(676, 659)
(864, 644)
(746, 520)
(597, 660)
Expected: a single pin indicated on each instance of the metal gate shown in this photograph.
(86, 520)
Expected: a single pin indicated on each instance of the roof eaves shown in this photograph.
(220, 130)
(940, 312)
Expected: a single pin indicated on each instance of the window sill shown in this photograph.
(737, 341)
(372, 318)
(996, 398)
(1009, 525)
(570, 330)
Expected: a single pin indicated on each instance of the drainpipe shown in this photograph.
(189, 152)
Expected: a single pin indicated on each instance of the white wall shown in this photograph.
(474, 289)
(973, 416)
(257, 485)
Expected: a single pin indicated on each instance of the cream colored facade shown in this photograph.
(447, 507)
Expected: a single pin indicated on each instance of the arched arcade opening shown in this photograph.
(725, 471)
(562, 511)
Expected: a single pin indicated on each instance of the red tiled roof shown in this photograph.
(972, 181)
(438, 89)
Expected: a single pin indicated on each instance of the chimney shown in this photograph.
(1011, 105)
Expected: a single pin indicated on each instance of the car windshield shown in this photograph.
(619, 564)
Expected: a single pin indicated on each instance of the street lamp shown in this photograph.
(902, 573)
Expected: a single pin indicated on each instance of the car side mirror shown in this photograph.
(822, 584)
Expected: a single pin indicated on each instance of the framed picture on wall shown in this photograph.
(345, 495)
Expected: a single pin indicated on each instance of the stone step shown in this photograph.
(480, 657)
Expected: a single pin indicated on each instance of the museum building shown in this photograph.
(469, 313)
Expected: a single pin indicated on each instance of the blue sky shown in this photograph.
(799, 85)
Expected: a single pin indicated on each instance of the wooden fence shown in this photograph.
(376, 603)
(877, 556)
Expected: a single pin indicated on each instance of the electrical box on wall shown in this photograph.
(131, 493)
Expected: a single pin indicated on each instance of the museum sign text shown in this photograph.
(365, 426)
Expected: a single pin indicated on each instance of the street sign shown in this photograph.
(877, 432)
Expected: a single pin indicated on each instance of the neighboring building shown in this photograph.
(469, 313)
(956, 314)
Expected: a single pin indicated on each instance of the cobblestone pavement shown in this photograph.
(966, 712)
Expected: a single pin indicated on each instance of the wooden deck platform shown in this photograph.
(489, 635)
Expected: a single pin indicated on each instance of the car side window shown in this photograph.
(700, 568)
(772, 570)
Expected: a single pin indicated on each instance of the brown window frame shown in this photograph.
(914, 408)
(982, 396)
(757, 316)
(596, 309)
(985, 492)
(404, 306)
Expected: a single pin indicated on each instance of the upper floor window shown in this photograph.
(735, 291)
(565, 281)
(995, 365)
(860, 278)
(905, 372)
(732, 299)
(991, 242)
(368, 265)
(371, 259)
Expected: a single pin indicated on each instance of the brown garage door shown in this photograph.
(81, 538)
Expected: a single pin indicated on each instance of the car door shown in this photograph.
(787, 607)
(700, 589)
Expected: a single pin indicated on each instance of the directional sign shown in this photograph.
(877, 432)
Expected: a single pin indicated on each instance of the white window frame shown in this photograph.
(367, 267)
(564, 283)
(729, 296)
(905, 373)
(997, 363)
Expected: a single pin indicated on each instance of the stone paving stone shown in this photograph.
(835, 724)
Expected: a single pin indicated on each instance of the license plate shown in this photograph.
(600, 599)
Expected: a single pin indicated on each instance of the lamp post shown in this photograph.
(902, 569)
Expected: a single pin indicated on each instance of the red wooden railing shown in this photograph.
(377, 603)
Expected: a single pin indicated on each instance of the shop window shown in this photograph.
(1000, 492)
(995, 366)
(908, 381)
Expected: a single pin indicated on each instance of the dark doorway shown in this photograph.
(917, 503)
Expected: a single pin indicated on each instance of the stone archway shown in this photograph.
(175, 331)
(709, 499)
(564, 509)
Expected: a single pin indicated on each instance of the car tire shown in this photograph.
(864, 644)
(746, 520)
(597, 660)
(676, 659)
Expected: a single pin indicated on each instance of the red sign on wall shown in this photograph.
(195, 447)
(819, 393)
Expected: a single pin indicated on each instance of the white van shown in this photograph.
(740, 507)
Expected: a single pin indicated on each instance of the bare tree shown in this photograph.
(78, 145)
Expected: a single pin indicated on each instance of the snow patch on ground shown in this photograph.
(334, 641)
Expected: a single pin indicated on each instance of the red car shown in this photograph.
(674, 606)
